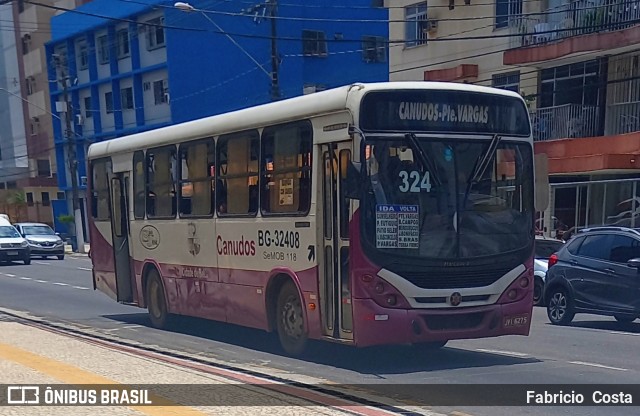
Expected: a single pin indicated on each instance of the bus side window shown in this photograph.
(196, 161)
(138, 185)
(161, 175)
(237, 173)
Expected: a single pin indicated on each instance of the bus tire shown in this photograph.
(156, 301)
(290, 322)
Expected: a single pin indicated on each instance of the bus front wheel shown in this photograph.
(290, 320)
(156, 302)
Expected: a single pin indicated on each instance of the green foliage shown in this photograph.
(67, 219)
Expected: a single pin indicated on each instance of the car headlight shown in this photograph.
(59, 243)
(24, 243)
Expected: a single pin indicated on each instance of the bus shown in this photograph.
(369, 214)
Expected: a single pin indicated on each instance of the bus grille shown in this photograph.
(453, 322)
(454, 279)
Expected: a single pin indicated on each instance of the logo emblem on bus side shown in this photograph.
(455, 299)
(193, 240)
(149, 237)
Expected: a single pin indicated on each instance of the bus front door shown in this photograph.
(335, 288)
(120, 231)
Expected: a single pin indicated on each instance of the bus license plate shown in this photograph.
(12, 253)
(518, 320)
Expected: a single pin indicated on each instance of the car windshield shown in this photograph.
(545, 248)
(38, 230)
(8, 232)
(436, 201)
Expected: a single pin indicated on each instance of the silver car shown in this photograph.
(43, 241)
(544, 248)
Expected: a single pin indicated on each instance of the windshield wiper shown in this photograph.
(483, 162)
(426, 161)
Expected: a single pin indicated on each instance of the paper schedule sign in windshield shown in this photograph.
(397, 226)
(444, 111)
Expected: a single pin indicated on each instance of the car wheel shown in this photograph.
(61, 257)
(290, 320)
(27, 261)
(625, 319)
(156, 302)
(560, 307)
(538, 287)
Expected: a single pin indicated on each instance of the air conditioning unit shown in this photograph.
(432, 25)
(35, 119)
(146, 86)
(83, 180)
(79, 120)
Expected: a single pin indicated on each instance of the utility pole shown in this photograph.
(275, 85)
(73, 161)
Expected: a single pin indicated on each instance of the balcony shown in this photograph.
(622, 118)
(574, 19)
(565, 121)
(539, 37)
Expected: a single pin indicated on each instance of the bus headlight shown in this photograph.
(524, 282)
(392, 300)
(379, 287)
(24, 243)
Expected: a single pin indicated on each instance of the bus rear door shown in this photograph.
(335, 291)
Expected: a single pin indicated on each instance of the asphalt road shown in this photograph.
(593, 350)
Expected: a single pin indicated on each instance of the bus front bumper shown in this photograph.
(375, 325)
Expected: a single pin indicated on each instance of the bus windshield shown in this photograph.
(436, 202)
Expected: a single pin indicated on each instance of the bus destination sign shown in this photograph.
(445, 111)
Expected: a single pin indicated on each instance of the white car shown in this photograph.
(13, 247)
(544, 248)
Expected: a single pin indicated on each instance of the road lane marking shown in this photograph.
(624, 333)
(22, 278)
(40, 281)
(60, 284)
(84, 268)
(598, 365)
(70, 374)
(80, 287)
(132, 326)
(509, 353)
(10, 275)
(42, 262)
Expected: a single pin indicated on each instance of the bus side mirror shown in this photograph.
(352, 182)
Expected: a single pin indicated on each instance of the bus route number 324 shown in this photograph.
(279, 238)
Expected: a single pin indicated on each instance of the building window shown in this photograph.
(160, 92)
(237, 173)
(108, 102)
(197, 173)
(507, 11)
(46, 202)
(126, 96)
(314, 43)
(12, 185)
(155, 33)
(374, 49)
(88, 113)
(570, 84)
(161, 188)
(26, 44)
(507, 81)
(138, 185)
(35, 126)
(60, 196)
(44, 167)
(31, 85)
(103, 49)
(416, 24)
(123, 43)
(286, 169)
(29, 199)
(83, 55)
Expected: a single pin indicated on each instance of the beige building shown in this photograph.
(576, 62)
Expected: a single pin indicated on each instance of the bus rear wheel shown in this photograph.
(156, 302)
(290, 320)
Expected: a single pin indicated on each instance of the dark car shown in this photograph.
(597, 272)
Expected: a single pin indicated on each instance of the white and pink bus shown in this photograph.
(387, 213)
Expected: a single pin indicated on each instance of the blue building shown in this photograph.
(140, 65)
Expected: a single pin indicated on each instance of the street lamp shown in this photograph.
(273, 75)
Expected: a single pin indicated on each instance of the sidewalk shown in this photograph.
(69, 251)
(32, 356)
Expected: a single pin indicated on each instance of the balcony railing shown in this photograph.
(573, 18)
(622, 118)
(564, 121)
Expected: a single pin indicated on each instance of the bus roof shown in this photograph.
(323, 102)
